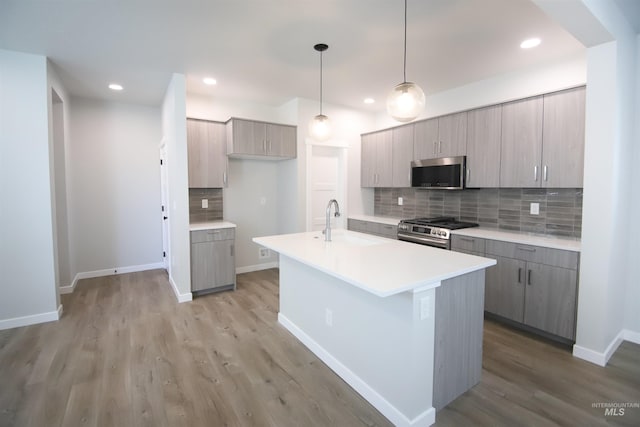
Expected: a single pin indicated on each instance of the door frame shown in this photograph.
(164, 199)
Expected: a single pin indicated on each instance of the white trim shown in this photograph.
(32, 319)
(180, 297)
(257, 267)
(631, 336)
(598, 358)
(425, 419)
(60, 311)
(108, 272)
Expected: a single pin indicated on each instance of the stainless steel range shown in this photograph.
(431, 231)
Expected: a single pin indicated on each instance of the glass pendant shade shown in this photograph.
(320, 127)
(405, 102)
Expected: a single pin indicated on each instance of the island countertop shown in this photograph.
(381, 266)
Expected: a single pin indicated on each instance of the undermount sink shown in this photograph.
(339, 236)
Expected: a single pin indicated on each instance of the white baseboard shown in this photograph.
(16, 322)
(631, 336)
(108, 272)
(257, 267)
(425, 419)
(598, 358)
(180, 297)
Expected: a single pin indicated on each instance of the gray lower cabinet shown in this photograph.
(375, 228)
(213, 266)
(533, 285)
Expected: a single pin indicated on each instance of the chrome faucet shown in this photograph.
(327, 230)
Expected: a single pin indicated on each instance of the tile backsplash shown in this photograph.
(501, 208)
(213, 212)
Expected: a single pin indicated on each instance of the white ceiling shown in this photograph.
(262, 50)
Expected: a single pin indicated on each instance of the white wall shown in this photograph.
(114, 183)
(27, 272)
(569, 72)
(174, 136)
(632, 319)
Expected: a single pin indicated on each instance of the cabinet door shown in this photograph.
(249, 137)
(217, 155)
(483, 147)
(521, 149)
(550, 302)
(504, 288)
(197, 153)
(425, 139)
(224, 263)
(281, 140)
(384, 155)
(452, 135)
(402, 138)
(368, 160)
(563, 139)
(212, 264)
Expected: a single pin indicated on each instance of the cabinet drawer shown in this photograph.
(357, 225)
(388, 230)
(537, 254)
(212, 235)
(467, 244)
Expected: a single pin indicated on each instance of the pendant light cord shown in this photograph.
(405, 43)
(320, 82)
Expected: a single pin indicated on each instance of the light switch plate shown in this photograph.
(205, 203)
(400, 201)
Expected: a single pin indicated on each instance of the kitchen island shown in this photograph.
(401, 323)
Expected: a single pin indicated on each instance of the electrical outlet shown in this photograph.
(534, 209)
(263, 253)
(400, 201)
(328, 317)
(205, 203)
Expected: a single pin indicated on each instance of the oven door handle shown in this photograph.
(424, 240)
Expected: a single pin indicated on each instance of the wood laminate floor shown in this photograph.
(125, 353)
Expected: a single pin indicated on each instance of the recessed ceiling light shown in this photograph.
(209, 81)
(369, 100)
(115, 86)
(529, 43)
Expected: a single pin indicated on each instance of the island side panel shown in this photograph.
(458, 336)
(382, 347)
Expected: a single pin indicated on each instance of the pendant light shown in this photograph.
(406, 101)
(320, 126)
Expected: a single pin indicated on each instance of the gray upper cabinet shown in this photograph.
(402, 155)
(521, 150)
(206, 153)
(484, 131)
(376, 164)
(255, 139)
(445, 136)
(563, 139)
(425, 139)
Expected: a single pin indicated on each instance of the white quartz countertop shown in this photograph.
(379, 219)
(564, 243)
(210, 225)
(375, 264)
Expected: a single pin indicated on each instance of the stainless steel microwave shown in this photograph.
(443, 173)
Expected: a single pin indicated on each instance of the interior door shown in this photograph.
(326, 181)
(164, 211)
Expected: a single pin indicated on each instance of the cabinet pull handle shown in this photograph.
(466, 239)
(525, 249)
(231, 249)
(468, 175)
(434, 147)
(544, 173)
(440, 147)
(224, 178)
(529, 278)
(535, 173)
(264, 146)
(519, 274)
